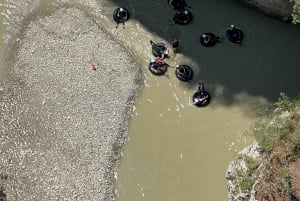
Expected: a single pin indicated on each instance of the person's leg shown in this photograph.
(201, 86)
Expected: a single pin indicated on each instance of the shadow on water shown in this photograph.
(265, 64)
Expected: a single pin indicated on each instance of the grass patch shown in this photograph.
(246, 178)
(274, 128)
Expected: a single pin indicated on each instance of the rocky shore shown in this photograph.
(235, 193)
(64, 110)
(257, 174)
(280, 9)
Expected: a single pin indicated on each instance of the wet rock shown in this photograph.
(281, 9)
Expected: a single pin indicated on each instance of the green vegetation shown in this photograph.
(276, 129)
(283, 178)
(285, 103)
(296, 11)
(246, 178)
(278, 136)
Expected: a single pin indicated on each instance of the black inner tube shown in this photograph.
(158, 69)
(201, 97)
(158, 49)
(182, 17)
(234, 35)
(177, 4)
(211, 41)
(198, 95)
(184, 73)
(121, 16)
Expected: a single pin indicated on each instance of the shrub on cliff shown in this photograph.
(296, 11)
(279, 138)
(269, 133)
(274, 173)
(244, 178)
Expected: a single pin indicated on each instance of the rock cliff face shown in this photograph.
(281, 9)
(294, 172)
(270, 175)
(235, 193)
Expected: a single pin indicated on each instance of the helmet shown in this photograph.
(177, 66)
(232, 26)
(152, 60)
(204, 35)
(121, 9)
(186, 12)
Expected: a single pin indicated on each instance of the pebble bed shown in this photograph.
(64, 110)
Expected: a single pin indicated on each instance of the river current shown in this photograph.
(176, 151)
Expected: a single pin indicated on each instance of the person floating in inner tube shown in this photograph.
(121, 15)
(159, 62)
(175, 44)
(232, 28)
(154, 67)
(234, 32)
(181, 70)
(164, 53)
(206, 38)
(182, 16)
(200, 100)
(209, 39)
(177, 4)
(161, 50)
(202, 93)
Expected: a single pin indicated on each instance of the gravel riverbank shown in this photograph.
(63, 123)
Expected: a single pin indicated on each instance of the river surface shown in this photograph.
(175, 151)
